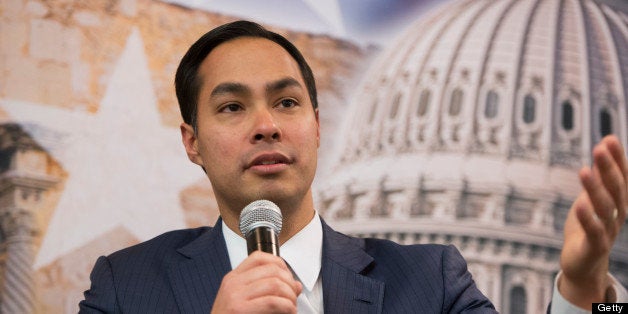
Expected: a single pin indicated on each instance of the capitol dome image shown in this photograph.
(470, 130)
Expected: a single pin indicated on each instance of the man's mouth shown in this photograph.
(269, 162)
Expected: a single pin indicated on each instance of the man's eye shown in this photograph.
(231, 108)
(287, 103)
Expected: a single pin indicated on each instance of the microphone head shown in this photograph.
(260, 213)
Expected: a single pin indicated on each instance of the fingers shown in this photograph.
(272, 304)
(589, 220)
(619, 155)
(274, 287)
(606, 190)
(601, 200)
(262, 283)
(270, 278)
(588, 213)
(262, 267)
(609, 174)
(616, 150)
(260, 258)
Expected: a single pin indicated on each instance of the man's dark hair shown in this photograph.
(188, 83)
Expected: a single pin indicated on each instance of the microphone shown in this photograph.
(260, 223)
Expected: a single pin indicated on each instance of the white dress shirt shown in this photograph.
(302, 252)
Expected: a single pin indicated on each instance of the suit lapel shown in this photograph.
(196, 277)
(346, 288)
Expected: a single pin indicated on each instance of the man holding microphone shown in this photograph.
(248, 101)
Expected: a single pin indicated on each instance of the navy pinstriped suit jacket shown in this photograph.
(181, 271)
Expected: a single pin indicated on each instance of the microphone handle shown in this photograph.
(262, 239)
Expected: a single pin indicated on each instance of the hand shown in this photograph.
(262, 283)
(594, 221)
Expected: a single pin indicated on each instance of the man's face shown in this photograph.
(257, 134)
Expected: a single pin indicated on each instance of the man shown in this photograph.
(248, 102)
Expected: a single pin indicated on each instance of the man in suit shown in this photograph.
(248, 101)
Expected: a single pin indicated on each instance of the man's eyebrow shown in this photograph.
(229, 88)
(281, 84)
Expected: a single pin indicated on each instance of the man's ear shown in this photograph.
(188, 137)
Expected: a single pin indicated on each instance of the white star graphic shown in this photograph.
(330, 11)
(125, 168)
(308, 15)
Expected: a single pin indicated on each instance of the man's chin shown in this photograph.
(277, 195)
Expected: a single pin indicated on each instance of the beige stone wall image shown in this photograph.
(60, 283)
(89, 142)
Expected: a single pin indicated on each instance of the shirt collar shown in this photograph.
(303, 252)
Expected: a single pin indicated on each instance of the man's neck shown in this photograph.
(295, 218)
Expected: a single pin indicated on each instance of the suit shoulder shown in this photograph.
(388, 245)
(433, 254)
(160, 245)
(440, 267)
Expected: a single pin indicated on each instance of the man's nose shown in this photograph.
(265, 128)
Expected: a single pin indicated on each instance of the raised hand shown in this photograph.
(593, 223)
